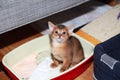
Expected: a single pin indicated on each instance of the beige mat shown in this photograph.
(106, 26)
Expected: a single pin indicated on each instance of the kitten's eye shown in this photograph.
(56, 32)
(64, 32)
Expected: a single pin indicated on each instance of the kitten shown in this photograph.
(65, 48)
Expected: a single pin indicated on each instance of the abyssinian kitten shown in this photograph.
(65, 48)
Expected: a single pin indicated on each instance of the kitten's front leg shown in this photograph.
(65, 65)
(55, 62)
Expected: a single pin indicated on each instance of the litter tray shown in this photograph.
(31, 61)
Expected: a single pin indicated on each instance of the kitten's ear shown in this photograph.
(71, 28)
(51, 26)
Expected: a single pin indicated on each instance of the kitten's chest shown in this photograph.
(59, 51)
(60, 47)
(56, 50)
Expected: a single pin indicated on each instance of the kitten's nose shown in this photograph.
(59, 35)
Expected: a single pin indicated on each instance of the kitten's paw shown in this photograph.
(62, 69)
(53, 65)
(73, 64)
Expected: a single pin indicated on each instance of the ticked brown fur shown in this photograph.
(65, 48)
